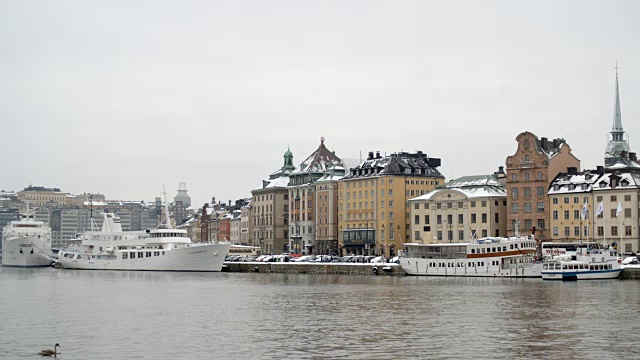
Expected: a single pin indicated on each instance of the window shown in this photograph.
(586, 230)
(540, 223)
(614, 231)
(382, 204)
(514, 177)
(527, 207)
(566, 200)
(417, 235)
(576, 200)
(555, 231)
(514, 208)
(460, 234)
(614, 198)
(540, 176)
(390, 203)
(599, 199)
(496, 218)
(390, 215)
(439, 234)
(527, 192)
(439, 219)
(416, 219)
(438, 205)
(484, 204)
(566, 214)
(627, 213)
(613, 213)
(390, 192)
(627, 198)
(540, 207)
(576, 214)
(627, 230)
(416, 206)
(526, 175)
(473, 218)
(576, 231)
(540, 191)
(514, 193)
(460, 218)
(555, 200)
(600, 231)
(528, 225)
(426, 219)
(473, 204)
(484, 233)
(484, 218)
(566, 231)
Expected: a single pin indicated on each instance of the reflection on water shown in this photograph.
(141, 315)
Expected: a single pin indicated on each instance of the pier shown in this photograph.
(314, 268)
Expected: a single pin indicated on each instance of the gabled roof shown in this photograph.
(402, 163)
(475, 186)
(582, 182)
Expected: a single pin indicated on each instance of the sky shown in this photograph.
(123, 98)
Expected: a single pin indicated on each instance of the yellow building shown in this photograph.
(373, 212)
(39, 196)
(568, 194)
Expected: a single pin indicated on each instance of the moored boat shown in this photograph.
(161, 249)
(26, 243)
(486, 257)
(590, 263)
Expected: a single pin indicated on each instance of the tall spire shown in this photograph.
(617, 115)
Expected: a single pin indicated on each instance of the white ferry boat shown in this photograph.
(162, 249)
(587, 264)
(486, 257)
(26, 243)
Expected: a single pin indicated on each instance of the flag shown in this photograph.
(619, 209)
(600, 208)
(584, 211)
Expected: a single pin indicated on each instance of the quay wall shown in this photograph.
(630, 274)
(314, 268)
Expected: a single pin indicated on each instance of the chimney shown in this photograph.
(624, 154)
(500, 169)
(556, 143)
(420, 155)
(600, 170)
(633, 156)
(370, 157)
(572, 170)
(543, 142)
(378, 155)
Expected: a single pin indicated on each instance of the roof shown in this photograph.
(475, 186)
(402, 163)
(321, 160)
(606, 182)
(565, 183)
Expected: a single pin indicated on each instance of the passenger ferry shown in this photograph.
(486, 257)
(588, 263)
(26, 243)
(161, 249)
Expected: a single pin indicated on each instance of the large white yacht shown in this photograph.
(587, 263)
(486, 257)
(161, 249)
(26, 243)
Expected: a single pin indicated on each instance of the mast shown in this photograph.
(166, 209)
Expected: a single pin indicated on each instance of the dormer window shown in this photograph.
(603, 184)
(572, 186)
(588, 177)
(584, 186)
(624, 183)
(556, 187)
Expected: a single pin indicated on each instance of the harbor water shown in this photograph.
(155, 315)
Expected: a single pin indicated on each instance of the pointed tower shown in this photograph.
(617, 143)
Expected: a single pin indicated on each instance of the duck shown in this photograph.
(49, 352)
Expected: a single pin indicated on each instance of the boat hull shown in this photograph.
(208, 257)
(26, 252)
(581, 275)
(423, 267)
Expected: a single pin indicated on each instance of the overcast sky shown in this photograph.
(121, 97)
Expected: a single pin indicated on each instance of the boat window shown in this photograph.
(511, 246)
(124, 256)
(545, 267)
(558, 267)
(504, 248)
(473, 251)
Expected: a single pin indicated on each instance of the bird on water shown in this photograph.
(49, 352)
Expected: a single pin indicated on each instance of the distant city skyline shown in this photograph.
(121, 100)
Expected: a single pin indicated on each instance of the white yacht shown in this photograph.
(26, 243)
(161, 249)
(588, 263)
(486, 257)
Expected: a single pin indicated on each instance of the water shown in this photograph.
(147, 315)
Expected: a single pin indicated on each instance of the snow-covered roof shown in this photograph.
(622, 181)
(321, 160)
(403, 163)
(565, 183)
(472, 187)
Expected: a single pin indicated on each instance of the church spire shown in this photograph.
(617, 116)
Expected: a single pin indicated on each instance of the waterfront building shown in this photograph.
(303, 204)
(571, 204)
(373, 212)
(246, 228)
(460, 210)
(39, 196)
(270, 205)
(326, 190)
(529, 172)
(235, 227)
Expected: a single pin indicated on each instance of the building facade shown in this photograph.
(270, 206)
(530, 170)
(373, 209)
(327, 209)
(246, 229)
(39, 196)
(460, 210)
(303, 214)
